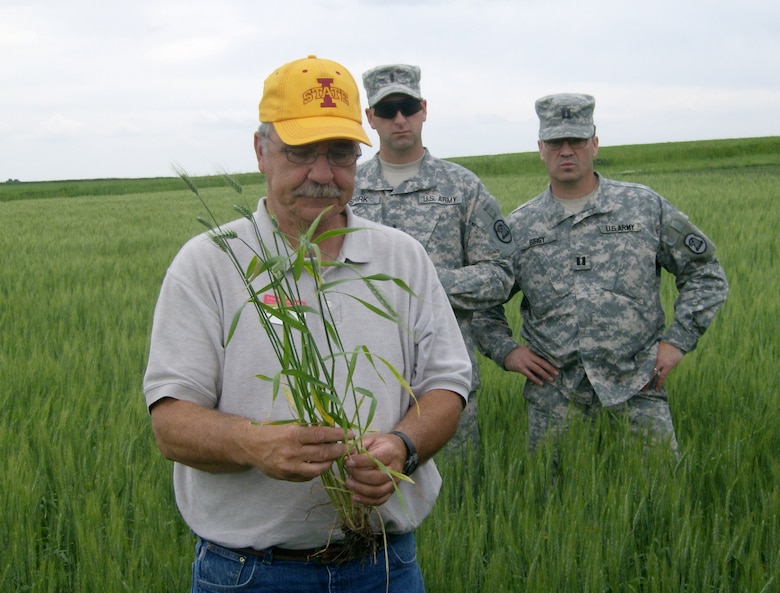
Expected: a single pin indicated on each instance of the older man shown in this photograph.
(245, 480)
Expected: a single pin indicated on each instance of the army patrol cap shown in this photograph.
(566, 116)
(382, 81)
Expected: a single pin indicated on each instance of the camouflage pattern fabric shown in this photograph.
(550, 412)
(449, 211)
(565, 116)
(382, 81)
(591, 289)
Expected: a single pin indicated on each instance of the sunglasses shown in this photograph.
(389, 109)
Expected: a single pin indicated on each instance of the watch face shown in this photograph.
(410, 465)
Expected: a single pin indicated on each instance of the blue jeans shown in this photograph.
(220, 570)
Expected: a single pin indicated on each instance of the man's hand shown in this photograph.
(524, 361)
(369, 484)
(667, 358)
(294, 453)
(215, 442)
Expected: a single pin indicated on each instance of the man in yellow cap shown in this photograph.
(246, 481)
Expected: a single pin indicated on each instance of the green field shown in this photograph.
(87, 502)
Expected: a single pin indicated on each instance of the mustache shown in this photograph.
(317, 190)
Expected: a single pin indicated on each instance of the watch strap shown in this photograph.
(411, 452)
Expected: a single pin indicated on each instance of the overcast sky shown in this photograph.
(113, 88)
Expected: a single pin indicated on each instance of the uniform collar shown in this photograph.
(371, 177)
(600, 203)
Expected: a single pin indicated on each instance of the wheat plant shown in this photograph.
(308, 369)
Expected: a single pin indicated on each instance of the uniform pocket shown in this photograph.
(544, 278)
(629, 263)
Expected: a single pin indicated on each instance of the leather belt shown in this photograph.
(335, 553)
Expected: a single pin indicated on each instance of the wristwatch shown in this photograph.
(411, 453)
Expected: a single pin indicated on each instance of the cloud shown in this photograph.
(126, 87)
(59, 125)
(189, 50)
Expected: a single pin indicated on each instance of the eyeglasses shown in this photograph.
(557, 143)
(389, 109)
(337, 156)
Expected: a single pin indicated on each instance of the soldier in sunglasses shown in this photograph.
(442, 205)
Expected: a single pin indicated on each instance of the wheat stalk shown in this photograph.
(307, 374)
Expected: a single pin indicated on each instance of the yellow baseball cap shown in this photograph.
(312, 99)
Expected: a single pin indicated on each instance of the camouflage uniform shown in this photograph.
(449, 211)
(591, 302)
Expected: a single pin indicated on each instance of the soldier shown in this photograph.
(589, 256)
(442, 205)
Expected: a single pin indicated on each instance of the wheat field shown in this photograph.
(87, 501)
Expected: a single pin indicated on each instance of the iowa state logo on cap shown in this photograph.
(326, 93)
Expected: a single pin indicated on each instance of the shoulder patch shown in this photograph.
(683, 236)
(502, 231)
(696, 243)
(489, 216)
